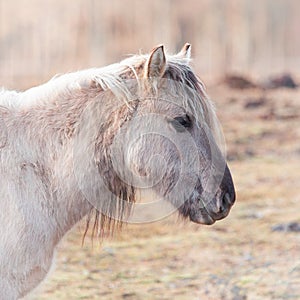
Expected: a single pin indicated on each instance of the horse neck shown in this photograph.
(45, 124)
(41, 135)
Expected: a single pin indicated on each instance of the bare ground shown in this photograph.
(238, 258)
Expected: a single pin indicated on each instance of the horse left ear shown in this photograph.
(156, 63)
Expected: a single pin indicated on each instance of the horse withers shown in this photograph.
(87, 143)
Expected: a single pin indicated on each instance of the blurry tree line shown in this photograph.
(41, 38)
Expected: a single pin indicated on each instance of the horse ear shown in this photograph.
(185, 51)
(156, 63)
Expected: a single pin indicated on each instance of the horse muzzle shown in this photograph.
(212, 213)
(207, 209)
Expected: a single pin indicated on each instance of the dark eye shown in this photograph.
(179, 123)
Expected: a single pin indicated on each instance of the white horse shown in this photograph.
(60, 145)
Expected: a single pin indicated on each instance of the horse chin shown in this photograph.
(199, 218)
(197, 214)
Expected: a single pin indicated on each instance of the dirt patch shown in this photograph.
(279, 81)
(238, 82)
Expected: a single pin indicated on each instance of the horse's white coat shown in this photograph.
(39, 197)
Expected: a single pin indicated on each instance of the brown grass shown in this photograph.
(239, 257)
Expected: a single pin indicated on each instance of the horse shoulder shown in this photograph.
(26, 243)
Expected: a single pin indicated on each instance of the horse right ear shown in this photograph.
(185, 51)
(156, 63)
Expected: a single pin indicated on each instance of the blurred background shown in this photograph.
(42, 38)
(248, 54)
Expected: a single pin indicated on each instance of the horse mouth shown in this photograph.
(197, 214)
(207, 217)
(201, 218)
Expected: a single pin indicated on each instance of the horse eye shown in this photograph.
(180, 122)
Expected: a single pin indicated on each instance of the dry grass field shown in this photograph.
(241, 257)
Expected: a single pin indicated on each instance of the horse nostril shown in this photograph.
(224, 203)
(221, 209)
(227, 199)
